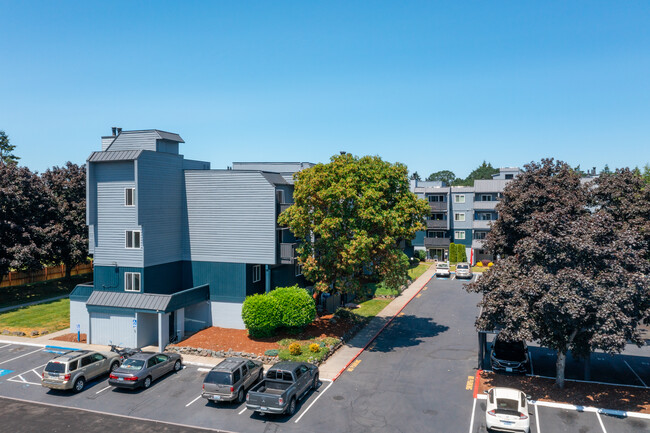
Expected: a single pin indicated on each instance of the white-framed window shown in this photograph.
(133, 239)
(459, 235)
(129, 196)
(257, 273)
(459, 198)
(132, 281)
(298, 269)
(459, 216)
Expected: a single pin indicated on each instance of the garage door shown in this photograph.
(117, 328)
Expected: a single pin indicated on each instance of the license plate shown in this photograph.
(53, 374)
(120, 379)
(216, 397)
(509, 370)
(264, 408)
(507, 422)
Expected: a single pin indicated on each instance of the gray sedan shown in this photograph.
(143, 368)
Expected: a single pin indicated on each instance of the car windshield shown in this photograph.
(219, 378)
(443, 266)
(462, 267)
(510, 350)
(506, 406)
(132, 364)
(55, 367)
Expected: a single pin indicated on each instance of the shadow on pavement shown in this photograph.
(406, 331)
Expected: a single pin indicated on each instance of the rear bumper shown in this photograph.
(496, 425)
(464, 275)
(56, 385)
(261, 409)
(218, 397)
(129, 384)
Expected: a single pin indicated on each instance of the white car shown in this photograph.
(507, 410)
(442, 269)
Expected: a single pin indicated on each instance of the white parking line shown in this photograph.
(601, 422)
(471, 421)
(243, 410)
(637, 376)
(316, 399)
(187, 405)
(6, 345)
(204, 369)
(537, 420)
(25, 354)
(22, 381)
(102, 390)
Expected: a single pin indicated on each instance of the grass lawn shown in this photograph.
(52, 316)
(371, 307)
(420, 269)
(17, 295)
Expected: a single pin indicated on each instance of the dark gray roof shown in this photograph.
(169, 136)
(138, 301)
(274, 178)
(119, 155)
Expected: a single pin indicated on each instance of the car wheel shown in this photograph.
(115, 366)
(292, 406)
(240, 395)
(315, 383)
(177, 366)
(79, 384)
(147, 382)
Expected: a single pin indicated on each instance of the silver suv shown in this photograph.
(464, 270)
(73, 369)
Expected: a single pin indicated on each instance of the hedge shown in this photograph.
(261, 315)
(453, 256)
(297, 307)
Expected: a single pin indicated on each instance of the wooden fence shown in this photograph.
(49, 273)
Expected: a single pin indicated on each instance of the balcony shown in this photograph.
(436, 242)
(284, 206)
(485, 205)
(288, 253)
(438, 206)
(478, 244)
(482, 224)
(437, 224)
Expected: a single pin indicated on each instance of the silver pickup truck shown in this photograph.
(284, 385)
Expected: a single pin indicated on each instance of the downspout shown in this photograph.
(267, 281)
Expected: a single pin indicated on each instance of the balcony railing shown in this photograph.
(436, 242)
(288, 253)
(438, 206)
(478, 244)
(437, 224)
(482, 224)
(485, 205)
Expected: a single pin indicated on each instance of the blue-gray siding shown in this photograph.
(145, 140)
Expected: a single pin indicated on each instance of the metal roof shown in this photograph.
(490, 185)
(117, 155)
(169, 136)
(149, 301)
(274, 178)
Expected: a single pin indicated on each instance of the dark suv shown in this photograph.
(230, 379)
(509, 356)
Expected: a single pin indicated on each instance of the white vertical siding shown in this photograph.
(227, 315)
(117, 328)
(78, 316)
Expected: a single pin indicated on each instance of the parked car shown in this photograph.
(442, 269)
(509, 356)
(507, 410)
(74, 369)
(230, 379)
(143, 368)
(285, 384)
(464, 270)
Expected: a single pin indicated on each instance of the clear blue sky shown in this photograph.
(432, 84)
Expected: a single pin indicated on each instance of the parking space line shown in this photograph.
(316, 399)
(243, 410)
(637, 376)
(25, 354)
(22, 381)
(471, 421)
(103, 389)
(202, 369)
(601, 422)
(193, 401)
(537, 419)
(6, 345)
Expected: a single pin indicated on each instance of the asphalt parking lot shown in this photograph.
(174, 398)
(545, 419)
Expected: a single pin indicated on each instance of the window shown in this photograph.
(485, 217)
(459, 198)
(257, 273)
(479, 235)
(132, 281)
(437, 217)
(162, 358)
(433, 234)
(486, 197)
(98, 357)
(151, 362)
(459, 235)
(236, 376)
(250, 364)
(436, 198)
(244, 370)
(73, 365)
(508, 176)
(298, 269)
(129, 196)
(133, 238)
(86, 360)
(459, 217)
(297, 372)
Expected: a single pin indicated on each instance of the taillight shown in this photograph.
(493, 412)
(281, 401)
(132, 378)
(66, 377)
(522, 416)
(112, 376)
(247, 397)
(204, 387)
(232, 389)
(43, 375)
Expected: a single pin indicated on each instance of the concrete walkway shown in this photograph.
(42, 301)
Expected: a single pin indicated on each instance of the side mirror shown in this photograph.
(528, 397)
(486, 392)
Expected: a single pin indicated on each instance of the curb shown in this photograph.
(610, 412)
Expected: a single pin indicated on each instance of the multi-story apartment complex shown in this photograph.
(177, 246)
(460, 214)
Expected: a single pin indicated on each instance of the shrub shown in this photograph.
(295, 349)
(479, 264)
(453, 256)
(461, 253)
(414, 261)
(271, 352)
(486, 262)
(296, 306)
(422, 255)
(261, 315)
(490, 264)
(313, 347)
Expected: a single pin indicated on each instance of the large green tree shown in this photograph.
(571, 277)
(6, 149)
(483, 171)
(446, 176)
(68, 235)
(352, 213)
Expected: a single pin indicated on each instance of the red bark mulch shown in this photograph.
(71, 338)
(238, 340)
(577, 393)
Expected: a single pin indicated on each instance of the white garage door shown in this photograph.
(117, 328)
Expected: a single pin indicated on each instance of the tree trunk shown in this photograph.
(68, 271)
(559, 369)
(588, 367)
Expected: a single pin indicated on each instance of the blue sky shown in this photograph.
(435, 85)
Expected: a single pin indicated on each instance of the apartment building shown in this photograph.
(177, 246)
(460, 214)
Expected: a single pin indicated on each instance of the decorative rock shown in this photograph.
(18, 333)
(5, 332)
(34, 333)
(45, 332)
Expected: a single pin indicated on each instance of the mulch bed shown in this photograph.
(238, 340)
(70, 337)
(576, 393)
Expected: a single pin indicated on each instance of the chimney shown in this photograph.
(119, 131)
(114, 130)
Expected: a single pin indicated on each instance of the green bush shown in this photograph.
(261, 315)
(453, 256)
(422, 255)
(296, 307)
(461, 254)
(271, 352)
